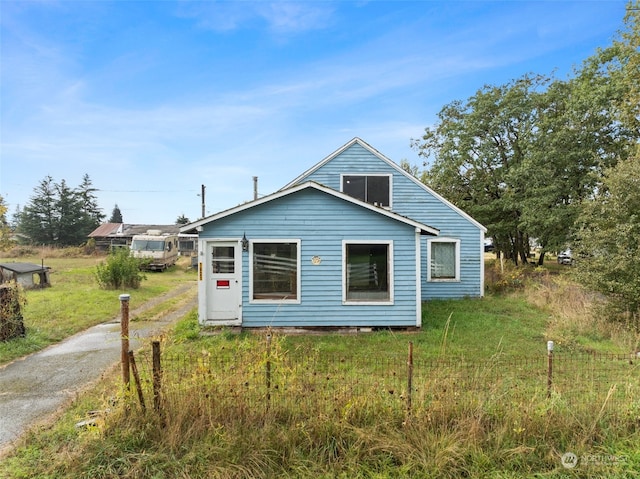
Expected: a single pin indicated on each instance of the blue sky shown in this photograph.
(153, 99)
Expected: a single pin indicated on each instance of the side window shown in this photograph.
(275, 271)
(368, 272)
(374, 189)
(443, 257)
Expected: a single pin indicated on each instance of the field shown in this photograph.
(332, 405)
(74, 302)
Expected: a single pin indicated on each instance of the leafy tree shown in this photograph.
(116, 215)
(521, 158)
(576, 138)
(608, 245)
(5, 231)
(182, 220)
(479, 148)
(608, 242)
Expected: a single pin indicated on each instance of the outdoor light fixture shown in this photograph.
(245, 242)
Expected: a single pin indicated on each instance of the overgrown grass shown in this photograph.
(501, 429)
(75, 302)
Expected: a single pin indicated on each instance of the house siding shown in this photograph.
(321, 222)
(412, 200)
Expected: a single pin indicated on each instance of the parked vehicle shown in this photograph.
(160, 250)
(565, 257)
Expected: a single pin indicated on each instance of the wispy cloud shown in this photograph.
(279, 17)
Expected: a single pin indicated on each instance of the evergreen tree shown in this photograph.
(59, 215)
(116, 215)
(182, 220)
(38, 218)
(93, 213)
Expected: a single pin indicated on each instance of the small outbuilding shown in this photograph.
(27, 275)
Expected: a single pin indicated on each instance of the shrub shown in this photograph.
(120, 270)
(12, 300)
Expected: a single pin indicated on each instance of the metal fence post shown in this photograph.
(409, 378)
(268, 370)
(549, 367)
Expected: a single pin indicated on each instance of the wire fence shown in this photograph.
(251, 380)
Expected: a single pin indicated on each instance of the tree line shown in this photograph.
(58, 214)
(552, 161)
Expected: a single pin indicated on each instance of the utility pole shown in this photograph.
(202, 195)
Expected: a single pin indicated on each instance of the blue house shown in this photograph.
(355, 241)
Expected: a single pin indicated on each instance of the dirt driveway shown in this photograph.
(33, 388)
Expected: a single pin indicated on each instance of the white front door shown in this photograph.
(224, 287)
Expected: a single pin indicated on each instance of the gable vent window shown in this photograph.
(374, 189)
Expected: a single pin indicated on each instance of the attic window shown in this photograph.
(374, 189)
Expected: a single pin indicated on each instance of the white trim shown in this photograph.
(418, 280)
(457, 266)
(390, 268)
(388, 175)
(482, 264)
(309, 184)
(298, 299)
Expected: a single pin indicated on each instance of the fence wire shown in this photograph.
(313, 382)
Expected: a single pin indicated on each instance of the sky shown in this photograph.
(153, 99)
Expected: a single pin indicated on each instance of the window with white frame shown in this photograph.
(368, 271)
(443, 257)
(275, 270)
(374, 189)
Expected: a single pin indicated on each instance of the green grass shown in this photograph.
(74, 302)
(488, 423)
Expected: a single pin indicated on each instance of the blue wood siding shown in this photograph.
(413, 201)
(321, 222)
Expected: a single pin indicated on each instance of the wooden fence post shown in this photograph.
(409, 378)
(136, 378)
(268, 369)
(124, 337)
(157, 377)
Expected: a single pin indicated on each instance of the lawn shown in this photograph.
(336, 405)
(74, 302)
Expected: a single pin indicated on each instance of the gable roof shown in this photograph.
(393, 165)
(425, 229)
(106, 229)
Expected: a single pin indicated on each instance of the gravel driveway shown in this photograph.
(33, 388)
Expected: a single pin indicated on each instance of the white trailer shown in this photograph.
(161, 250)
